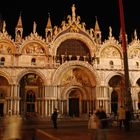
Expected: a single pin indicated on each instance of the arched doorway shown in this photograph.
(81, 92)
(114, 102)
(30, 102)
(139, 100)
(117, 95)
(30, 89)
(4, 92)
(138, 95)
(74, 103)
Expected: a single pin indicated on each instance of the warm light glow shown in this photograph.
(12, 130)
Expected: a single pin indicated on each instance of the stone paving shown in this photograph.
(70, 130)
(85, 134)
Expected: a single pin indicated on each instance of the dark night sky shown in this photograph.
(107, 12)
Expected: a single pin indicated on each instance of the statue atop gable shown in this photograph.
(73, 12)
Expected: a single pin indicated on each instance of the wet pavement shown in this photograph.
(85, 134)
(70, 130)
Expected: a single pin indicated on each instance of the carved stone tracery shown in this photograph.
(34, 48)
(5, 48)
(109, 52)
(135, 53)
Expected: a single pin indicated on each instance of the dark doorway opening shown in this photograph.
(114, 102)
(1, 109)
(74, 107)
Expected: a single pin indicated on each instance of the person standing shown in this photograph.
(101, 114)
(121, 116)
(102, 132)
(93, 126)
(54, 118)
(127, 120)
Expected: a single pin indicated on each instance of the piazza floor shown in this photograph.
(70, 129)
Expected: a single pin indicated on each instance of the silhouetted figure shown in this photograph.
(102, 132)
(54, 118)
(90, 114)
(127, 120)
(101, 114)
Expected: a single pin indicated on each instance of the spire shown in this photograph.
(49, 25)
(4, 27)
(110, 31)
(120, 36)
(97, 28)
(97, 32)
(19, 24)
(19, 30)
(48, 29)
(135, 34)
(34, 27)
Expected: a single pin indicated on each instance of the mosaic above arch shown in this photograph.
(90, 72)
(76, 75)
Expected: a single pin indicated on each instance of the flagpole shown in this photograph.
(127, 94)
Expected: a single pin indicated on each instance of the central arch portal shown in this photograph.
(30, 91)
(74, 99)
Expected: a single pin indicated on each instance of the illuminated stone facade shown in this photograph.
(71, 68)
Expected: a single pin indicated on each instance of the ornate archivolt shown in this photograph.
(34, 48)
(109, 75)
(67, 91)
(134, 48)
(135, 86)
(79, 73)
(136, 76)
(7, 76)
(134, 53)
(24, 72)
(110, 52)
(90, 44)
(7, 48)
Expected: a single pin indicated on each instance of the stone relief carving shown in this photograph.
(109, 52)
(74, 28)
(73, 12)
(5, 49)
(55, 30)
(78, 20)
(34, 49)
(69, 19)
(63, 24)
(135, 53)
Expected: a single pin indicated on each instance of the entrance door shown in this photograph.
(1, 109)
(30, 102)
(114, 102)
(74, 107)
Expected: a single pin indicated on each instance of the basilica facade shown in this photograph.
(71, 69)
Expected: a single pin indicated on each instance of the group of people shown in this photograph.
(98, 120)
(98, 124)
